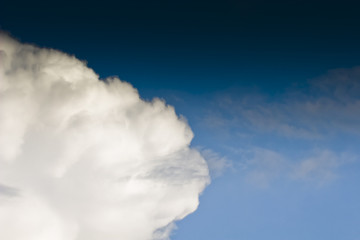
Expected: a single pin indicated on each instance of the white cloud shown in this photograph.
(88, 159)
(7, 191)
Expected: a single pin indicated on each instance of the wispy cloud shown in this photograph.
(306, 132)
(321, 166)
(261, 167)
(217, 163)
(324, 105)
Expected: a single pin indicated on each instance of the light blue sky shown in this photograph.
(290, 160)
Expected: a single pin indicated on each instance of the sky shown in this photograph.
(270, 90)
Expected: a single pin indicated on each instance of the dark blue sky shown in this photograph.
(196, 46)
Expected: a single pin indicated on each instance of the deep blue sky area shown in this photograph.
(270, 88)
(195, 46)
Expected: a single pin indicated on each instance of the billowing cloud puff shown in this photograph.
(85, 159)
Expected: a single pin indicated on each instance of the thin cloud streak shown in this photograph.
(304, 133)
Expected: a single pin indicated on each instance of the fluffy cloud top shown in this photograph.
(85, 159)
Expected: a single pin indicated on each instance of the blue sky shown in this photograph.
(293, 163)
(270, 90)
(290, 160)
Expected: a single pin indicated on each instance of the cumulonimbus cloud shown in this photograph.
(88, 159)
